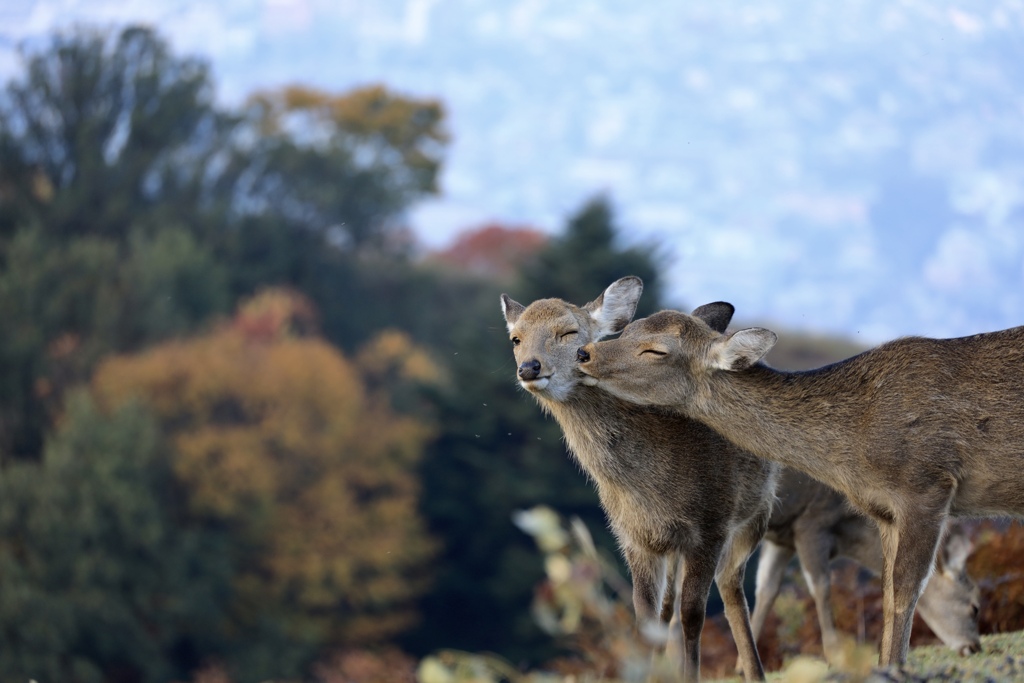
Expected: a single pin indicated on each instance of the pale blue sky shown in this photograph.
(853, 167)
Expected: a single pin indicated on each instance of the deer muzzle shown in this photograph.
(529, 369)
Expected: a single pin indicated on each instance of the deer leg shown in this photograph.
(698, 573)
(649, 595)
(670, 611)
(668, 602)
(648, 572)
(771, 567)
(730, 585)
(814, 551)
(909, 550)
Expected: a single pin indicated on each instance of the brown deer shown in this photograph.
(815, 523)
(911, 432)
(681, 500)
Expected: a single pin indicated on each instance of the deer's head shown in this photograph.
(665, 358)
(951, 600)
(546, 334)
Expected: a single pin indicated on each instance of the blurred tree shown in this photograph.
(107, 143)
(493, 251)
(497, 453)
(107, 134)
(339, 171)
(132, 211)
(347, 165)
(99, 578)
(65, 304)
(132, 208)
(579, 264)
(102, 128)
(277, 439)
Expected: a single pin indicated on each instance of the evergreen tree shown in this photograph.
(100, 580)
(589, 256)
(103, 131)
(66, 304)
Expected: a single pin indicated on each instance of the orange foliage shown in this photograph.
(997, 564)
(276, 313)
(391, 357)
(384, 665)
(275, 435)
(493, 250)
(388, 122)
(364, 666)
(365, 111)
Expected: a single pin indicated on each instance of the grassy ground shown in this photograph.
(1002, 659)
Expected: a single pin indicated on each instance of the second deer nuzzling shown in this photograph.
(912, 431)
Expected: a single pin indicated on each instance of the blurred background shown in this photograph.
(258, 416)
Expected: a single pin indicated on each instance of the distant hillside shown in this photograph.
(802, 351)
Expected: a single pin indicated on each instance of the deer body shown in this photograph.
(935, 417)
(911, 431)
(686, 506)
(644, 473)
(815, 523)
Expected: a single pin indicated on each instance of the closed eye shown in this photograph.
(653, 352)
(570, 333)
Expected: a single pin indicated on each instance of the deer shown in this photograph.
(817, 524)
(686, 507)
(912, 431)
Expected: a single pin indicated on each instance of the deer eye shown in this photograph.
(515, 341)
(568, 334)
(653, 352)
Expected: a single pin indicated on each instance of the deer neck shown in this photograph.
(593, 423)
(798, 419)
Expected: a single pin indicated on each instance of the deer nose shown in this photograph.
(529, 369)
(582, 356)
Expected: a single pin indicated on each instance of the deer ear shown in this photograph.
(512, 310)
(717, 315)
(741, 349)
(615, 307)
(956, 549)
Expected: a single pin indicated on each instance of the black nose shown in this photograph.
(582, 356)
(529, 369)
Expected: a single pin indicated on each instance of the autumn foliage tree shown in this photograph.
(133, 206)
(278, 436)
(493, 250)
(346, 164)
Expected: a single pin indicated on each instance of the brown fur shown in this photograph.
(910, 432)
(678, 496)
